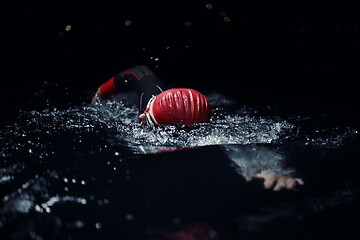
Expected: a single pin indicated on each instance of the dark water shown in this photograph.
(92, 172)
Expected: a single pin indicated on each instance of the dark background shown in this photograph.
(301, 55)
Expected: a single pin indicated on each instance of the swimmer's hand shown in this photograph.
(277, 182)
(96, 98)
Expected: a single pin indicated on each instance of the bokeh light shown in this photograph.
(128, 23)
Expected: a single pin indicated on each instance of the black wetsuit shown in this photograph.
(142, 80)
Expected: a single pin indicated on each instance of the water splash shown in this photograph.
(39, 152)
(116, 123)
(119, 119)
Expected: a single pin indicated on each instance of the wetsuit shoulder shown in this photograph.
(129, 79)
(138, 78)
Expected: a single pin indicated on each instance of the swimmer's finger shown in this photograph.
(290, 183)
(253, 176)
(293, 183)
(280, 185)
(269, 181)
(299, 181)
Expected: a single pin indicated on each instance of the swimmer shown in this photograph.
(182, 106)
(158, 106)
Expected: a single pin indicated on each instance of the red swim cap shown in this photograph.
(181, 106)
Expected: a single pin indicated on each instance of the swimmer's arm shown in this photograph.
(124, 81)
(121, 82)
(105, 91)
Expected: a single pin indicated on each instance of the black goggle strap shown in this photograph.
(141, 109)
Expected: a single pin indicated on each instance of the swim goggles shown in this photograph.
(149, 120)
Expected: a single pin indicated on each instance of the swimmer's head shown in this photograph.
(181, 106)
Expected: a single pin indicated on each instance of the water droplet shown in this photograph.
(128, 23)
(209, 6)
(129, 217)
(226, 19)
(98, 225)
(188, 24)
(38, 208)
(79, 224)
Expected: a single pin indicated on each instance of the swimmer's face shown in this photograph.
(144, 117)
